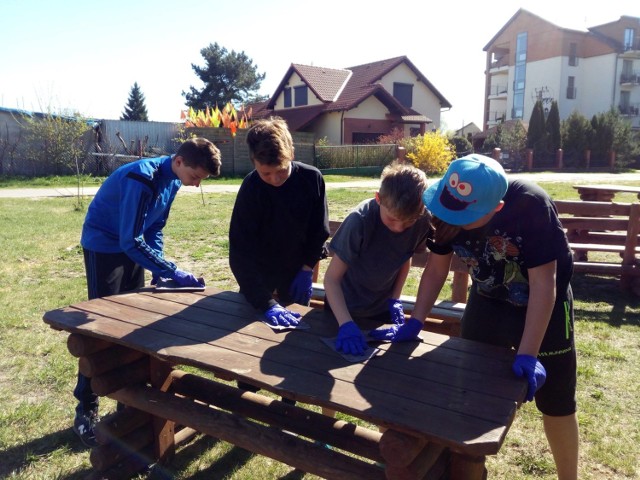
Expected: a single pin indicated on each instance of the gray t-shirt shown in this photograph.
(374, 255)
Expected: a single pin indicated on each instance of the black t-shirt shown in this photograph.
(525, 234)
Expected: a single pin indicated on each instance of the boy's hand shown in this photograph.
(529, 367)
(350, 339)
(185, 279)
(301, 289)
(398, 333)
(396, 311)
(280, 316)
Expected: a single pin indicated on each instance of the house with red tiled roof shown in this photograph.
(356, 105)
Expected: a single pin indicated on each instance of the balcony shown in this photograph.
(631, 50)
(499, 64)
(498, 91)
(630, 79)
(630, 110)
(495, 117)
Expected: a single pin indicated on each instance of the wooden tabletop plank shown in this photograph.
(456, 392)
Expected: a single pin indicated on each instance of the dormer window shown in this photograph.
(300, 95)
(403, 92)
(287, 97)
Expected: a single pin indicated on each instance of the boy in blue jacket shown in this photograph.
(122, 237)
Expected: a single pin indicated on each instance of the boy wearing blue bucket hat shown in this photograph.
(509, 234)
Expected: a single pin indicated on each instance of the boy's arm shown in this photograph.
(401, 279)
(542, 297)
(318, 230)
(433, 277)
(333, 289)
(135, 201)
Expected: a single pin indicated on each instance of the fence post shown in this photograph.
(497, 154)
(612, 160)
(401, 154)
(587, 158)
(559, 155)
(529, 159)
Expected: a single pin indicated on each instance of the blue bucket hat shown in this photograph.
(472, 187)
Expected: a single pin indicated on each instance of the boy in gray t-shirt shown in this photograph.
(372, 254)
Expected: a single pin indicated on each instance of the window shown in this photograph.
(520, 73)
(573, 54)
(629, 33)
(287, 97)
(403, 92)
(571, 88)
(521, 47)
(300, 95)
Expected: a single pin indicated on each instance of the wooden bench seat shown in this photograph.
(607, 227)
(445, 315)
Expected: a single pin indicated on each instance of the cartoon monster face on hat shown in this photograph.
(472, 187)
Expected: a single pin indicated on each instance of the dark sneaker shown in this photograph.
(83, 425)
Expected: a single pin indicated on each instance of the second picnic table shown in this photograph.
(446, 403)
(604, 193)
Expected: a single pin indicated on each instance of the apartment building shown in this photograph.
(590, 71)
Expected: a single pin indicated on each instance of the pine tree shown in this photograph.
(552, 127)
(228, 77)
(135, 108)
(536, 125)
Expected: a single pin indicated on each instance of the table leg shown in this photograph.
(469, 468)
(164, 430)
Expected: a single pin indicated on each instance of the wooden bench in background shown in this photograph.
(445, 315)
(604, 227)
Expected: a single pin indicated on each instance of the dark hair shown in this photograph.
(270, 142)
(200, 152)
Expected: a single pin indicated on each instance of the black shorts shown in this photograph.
(501, 323)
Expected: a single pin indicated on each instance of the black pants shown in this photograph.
(107, 274)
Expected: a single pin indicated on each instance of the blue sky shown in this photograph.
(84, 56)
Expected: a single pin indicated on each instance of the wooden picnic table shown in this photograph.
(446, 403)
(604, 193)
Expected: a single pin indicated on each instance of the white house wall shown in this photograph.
(598, 94)
(541, 74)
(328, 126)
(424, 101)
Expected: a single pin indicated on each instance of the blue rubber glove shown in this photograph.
(185, 279)
(278, 316)
(350, 339)
(398, 333)
(529, 367)
(300, 289)
(396, 311)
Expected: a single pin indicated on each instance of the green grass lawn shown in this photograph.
(42, 269)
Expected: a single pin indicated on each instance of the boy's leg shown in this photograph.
(562, 435)
(107, 274)
(556, 399)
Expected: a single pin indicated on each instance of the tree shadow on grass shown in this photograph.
(18, 458)
(221, 468)
(620, 307)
